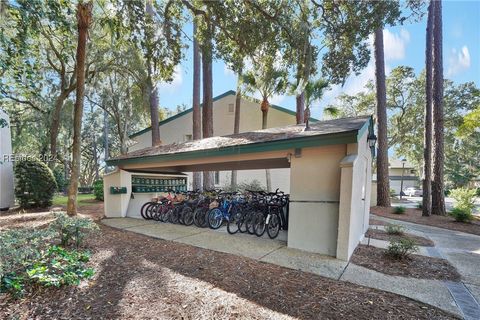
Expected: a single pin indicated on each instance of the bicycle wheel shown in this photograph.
(187, 214)
(156, 211)
(180, 214)
(199, 217)
(259, 223)
(174, 216)
(233, 223)
(215, 218)
(250, 223)
(164, 214)
(273, 225)
(148, 211)
(143, 209)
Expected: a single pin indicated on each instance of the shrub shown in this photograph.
(98, 189)
(253, 185)
(399, 210)
(394, 229)
(401, 248)
(392, 193)
(34, 183)
(461, 215)
(60, 179)
(71, 230)
(419, 205)
(464, 198)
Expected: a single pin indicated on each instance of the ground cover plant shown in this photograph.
(399, 210)
(401, 248)
(31, 257)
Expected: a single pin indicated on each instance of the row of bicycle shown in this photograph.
(254, 212)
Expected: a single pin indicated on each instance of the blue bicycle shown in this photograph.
(226, 207)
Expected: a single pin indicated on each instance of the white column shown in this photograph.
(7, 199)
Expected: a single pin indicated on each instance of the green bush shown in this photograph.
(394, 229)
(60, 179)
(71, 230)
(464, 198)
(392, 193)
(34, 183)
(399, 210)
(98, 189)
(401, 248)
(419, 205)
(461, 215)
(254, 185)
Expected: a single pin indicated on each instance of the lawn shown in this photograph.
(83, 200)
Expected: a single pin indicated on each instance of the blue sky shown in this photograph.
(404, 45)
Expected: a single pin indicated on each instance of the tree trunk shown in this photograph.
(197, 118)
(105, 137)
(264, 107)
(427, 147)
(438, 197)
(153, 104)
(55, 126)
(300, 115)
(84, 17)
(207, 108)
(383, 183)
(236, 124)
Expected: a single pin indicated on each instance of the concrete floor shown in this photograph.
(250, 246)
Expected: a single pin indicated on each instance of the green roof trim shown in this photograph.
(302, 142)
(223, 95)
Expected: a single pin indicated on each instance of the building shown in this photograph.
(178, 128)
(329, 178)
(396, 170)
(6, 165)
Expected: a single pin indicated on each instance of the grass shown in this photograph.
(83, 200)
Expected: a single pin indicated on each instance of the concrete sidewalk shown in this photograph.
(432, 292)
(462, 250)
(250, 246)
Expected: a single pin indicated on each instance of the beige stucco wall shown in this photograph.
(315, 194)
(354, 210)
(223, 119)
(126, 205)
(250, 120)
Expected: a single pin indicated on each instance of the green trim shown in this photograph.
(302, 142)
(221, 96)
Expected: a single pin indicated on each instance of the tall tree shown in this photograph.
(438, 196)
(197, 118)
(383, 182)
(207, 107)
(236, 122)
(84, 19)
(427, 136)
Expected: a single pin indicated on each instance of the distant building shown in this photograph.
(178, 128)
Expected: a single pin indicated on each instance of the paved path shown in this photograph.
(462, 250)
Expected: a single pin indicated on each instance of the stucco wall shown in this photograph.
(315, 194)
(126, 205)
(250, 120)
(354, 211)
(6, 166)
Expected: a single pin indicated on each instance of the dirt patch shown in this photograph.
(415, 266)
(138, 277)
(415, 216)
(383, 235)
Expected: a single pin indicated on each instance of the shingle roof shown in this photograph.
(321, 128)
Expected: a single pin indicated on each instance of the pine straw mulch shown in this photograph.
(414, 266)
(383, 235)
(415, 215)
(138, 277)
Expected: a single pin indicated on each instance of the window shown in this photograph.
(188, 137)
(231, 108)
(217, 177)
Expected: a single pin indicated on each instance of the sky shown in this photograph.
(404, 45)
